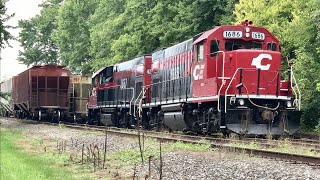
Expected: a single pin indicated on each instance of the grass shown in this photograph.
(131, 156)
(18, 164)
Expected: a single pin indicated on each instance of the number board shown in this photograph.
(232, 34)
(258, 35)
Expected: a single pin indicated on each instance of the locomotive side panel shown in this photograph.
(171, 73)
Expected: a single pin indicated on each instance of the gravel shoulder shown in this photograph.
(177, 164)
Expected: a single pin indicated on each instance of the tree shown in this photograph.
(36, 36)
(107, 24)
(73, 35)
(125, 29)
(5, 35)
(4, 95)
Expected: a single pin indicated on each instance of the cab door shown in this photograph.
(198, 70)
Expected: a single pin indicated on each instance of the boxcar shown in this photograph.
(6, 104)
(41, 92)
(79, 89)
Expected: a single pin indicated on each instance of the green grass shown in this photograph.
(21, 165)
(130, 156)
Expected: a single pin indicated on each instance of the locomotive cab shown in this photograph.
(102, 94)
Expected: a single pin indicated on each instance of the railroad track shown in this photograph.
(220, 143)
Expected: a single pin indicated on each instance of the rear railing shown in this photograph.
(297, 86)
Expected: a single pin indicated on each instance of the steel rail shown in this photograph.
(214, 143)
(219, 143)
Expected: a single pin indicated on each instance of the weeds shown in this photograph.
(61, 125)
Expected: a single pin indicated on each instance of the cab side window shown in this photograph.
(272, 46)
(214, 47)
(200, 52)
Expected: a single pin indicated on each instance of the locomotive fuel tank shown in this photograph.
(173, 117)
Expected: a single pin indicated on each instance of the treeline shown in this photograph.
(86, 35)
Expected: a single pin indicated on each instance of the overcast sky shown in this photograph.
(23, 9)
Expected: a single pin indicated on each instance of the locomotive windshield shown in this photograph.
(237, 44)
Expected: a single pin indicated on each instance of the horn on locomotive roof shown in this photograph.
(246, 23)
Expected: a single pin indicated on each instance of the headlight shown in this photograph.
(241, 102)
(289, 104)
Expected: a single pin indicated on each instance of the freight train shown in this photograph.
(227, 79)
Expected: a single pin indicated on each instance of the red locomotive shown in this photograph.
(225, 79)
(41, 92)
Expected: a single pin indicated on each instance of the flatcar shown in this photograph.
(41, 92)
(227, 79)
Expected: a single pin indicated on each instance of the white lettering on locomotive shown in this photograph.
(175, 73)
(123, 84)
(198, 72)
(232, 34)
(257, 61)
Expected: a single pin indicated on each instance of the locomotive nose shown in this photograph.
(259, 59)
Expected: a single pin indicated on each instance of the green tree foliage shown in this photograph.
(106, 26)
(73, 35)
(5, 35)
(5, 95)
(122, 29)
(94, 33)
(36, 36)
(296, 24)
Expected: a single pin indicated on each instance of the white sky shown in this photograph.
(23, 9)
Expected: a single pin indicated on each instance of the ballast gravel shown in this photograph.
(179, 165)
(73, 137)
(193, 167)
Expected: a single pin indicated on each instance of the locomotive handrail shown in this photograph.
(299, 93)
(134, 107)
(163, 82)
(226, 91)
(133, 92)
(140, 102)
(223, 78)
